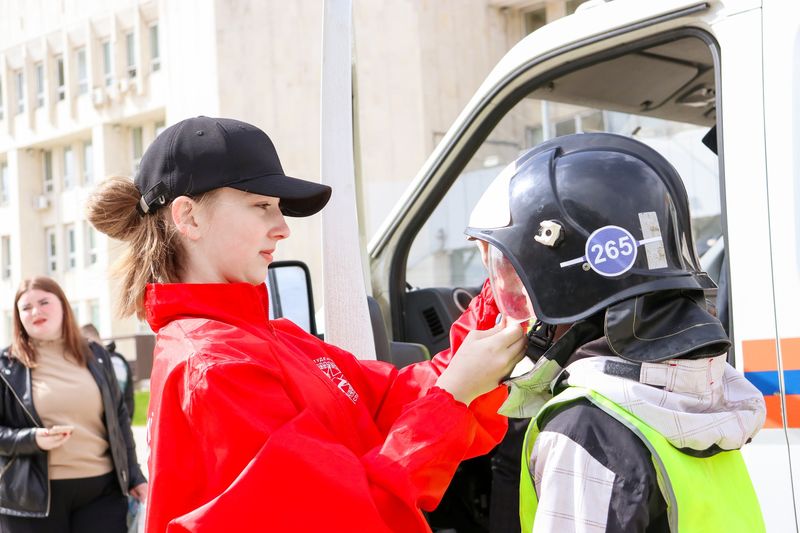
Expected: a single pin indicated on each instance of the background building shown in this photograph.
(86, 85)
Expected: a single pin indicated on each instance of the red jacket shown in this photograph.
(255, 425)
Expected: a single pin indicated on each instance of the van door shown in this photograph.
(667, 84)
(781, 57)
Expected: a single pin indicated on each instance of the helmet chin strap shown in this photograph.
(540, 339)
(527, 393)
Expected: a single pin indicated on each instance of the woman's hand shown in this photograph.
(139, 492)
(47, 439)
(482, 361)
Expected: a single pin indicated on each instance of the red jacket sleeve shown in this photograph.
(395, 390)
(285, 468)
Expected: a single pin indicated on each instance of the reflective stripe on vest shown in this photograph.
(702, 494)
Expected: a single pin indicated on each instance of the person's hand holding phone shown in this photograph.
(53, 437)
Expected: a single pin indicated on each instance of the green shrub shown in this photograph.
(141, 402)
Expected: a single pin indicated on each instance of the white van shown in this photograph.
(665, 72)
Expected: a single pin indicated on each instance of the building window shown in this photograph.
(91, 244)
(52, 250)
(48, 170)
(83, 73)
(137, 147)
(130, 54)
(108, 66)
(20, 92)
(88, 163)
(572, 5)
(61, 89)
(155, 53)
(534, 20)
(39, 84)
(9, 329)
(69, 168)
(4, 191)
(94, 312)
(69, 234)
(5, 269)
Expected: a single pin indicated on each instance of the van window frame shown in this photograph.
(462, 148)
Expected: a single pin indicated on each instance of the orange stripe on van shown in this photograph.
(793, 408)
(760, 355)
(790, 353)
(774, 419)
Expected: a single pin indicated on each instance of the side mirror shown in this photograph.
(290, 296)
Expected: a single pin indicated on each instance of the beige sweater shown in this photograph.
(65, 393)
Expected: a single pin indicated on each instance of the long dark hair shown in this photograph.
(22, 348)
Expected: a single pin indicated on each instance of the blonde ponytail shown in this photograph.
(153, 254)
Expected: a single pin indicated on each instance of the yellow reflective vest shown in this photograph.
(712, 494)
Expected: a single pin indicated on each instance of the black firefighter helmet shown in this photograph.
(589, 220)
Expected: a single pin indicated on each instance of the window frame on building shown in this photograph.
(51, 250)
(39, 70)
(533, 19)
(87, 161)
(155, 48)
(48, 182)
(137, 146)
(70, 247)
(81, 61)
(130, 54)
(5, 192)
(68, 159)
(19, 78)
(108, 62)
(93, 306)
(8, 321)
(90, 244)
(5, 251)
(61, 79)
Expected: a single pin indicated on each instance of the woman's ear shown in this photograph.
(184, 212)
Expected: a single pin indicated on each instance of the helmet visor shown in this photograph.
(509, 292)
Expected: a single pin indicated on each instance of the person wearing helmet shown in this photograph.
(633, 404)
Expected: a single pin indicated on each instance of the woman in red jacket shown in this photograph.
(254, 423)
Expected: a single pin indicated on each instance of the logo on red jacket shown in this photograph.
(330, 369)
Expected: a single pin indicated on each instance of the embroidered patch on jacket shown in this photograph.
(330, 369)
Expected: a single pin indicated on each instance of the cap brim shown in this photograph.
(299, 198)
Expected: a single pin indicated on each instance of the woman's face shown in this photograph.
(238, 233)
(41, 314)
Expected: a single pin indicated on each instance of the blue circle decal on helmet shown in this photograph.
(611, 251)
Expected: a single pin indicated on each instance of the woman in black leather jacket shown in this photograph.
(67, 455)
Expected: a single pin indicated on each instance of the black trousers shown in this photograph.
(84, 505)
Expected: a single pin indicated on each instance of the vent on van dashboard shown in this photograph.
(434, 322)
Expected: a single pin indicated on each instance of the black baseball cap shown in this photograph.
(201, 154)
